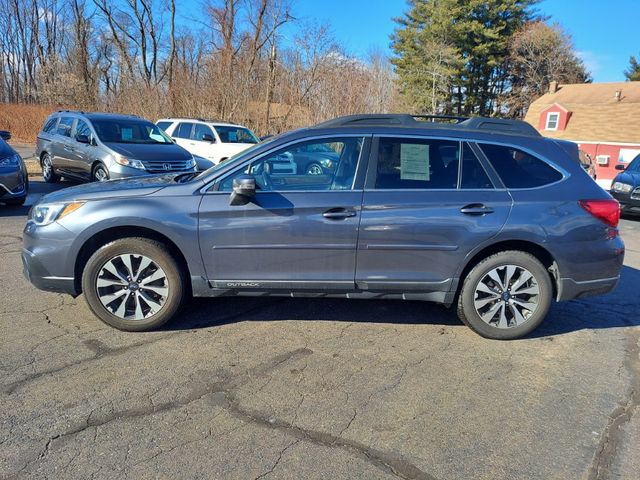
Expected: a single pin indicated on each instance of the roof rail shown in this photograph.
(496, 125)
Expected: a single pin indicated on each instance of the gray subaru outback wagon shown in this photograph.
(484, 215)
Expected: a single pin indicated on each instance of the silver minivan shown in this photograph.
(103, 146)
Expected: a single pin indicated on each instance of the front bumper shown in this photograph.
(629, 203)
(37, 274)
(46, 258)
(13, 184)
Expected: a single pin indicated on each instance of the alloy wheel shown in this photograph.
(506, 296)
(101, 175)
(132, 286)
(47, 169)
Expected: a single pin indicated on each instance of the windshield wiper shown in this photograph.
(185, 177)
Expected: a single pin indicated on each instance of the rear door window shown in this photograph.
(64, 126)
(183, 130)
(519, 169)
(417, 163)
(474, 175)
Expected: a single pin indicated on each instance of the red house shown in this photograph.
(602, 118)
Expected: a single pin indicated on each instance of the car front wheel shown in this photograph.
(505, 296)
(133, 284)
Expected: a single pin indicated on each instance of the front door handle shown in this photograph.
(476, 209)
(339, 213)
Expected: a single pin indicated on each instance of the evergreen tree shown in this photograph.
(473, 37)
(633, 72)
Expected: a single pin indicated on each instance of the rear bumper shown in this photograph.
(569, 289)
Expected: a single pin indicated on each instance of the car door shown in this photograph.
(182, 135)
(203, 142)
(61, 147)
(299, 232)
(80, 154)
(427, 204)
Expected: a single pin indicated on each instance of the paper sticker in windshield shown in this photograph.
(126, 134)
(414, 162)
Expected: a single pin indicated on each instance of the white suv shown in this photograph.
(210, 140)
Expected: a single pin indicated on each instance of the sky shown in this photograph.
(604, 31)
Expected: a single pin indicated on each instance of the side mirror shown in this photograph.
(621, 167)
(83, 139)
(244, 189)
(208, 138)
(5, 135)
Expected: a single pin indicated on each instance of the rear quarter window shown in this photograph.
(518, 169)
(50, 125)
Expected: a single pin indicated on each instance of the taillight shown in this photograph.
(608, 211)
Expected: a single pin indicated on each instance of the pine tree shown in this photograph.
(633, 72)
(473, 39)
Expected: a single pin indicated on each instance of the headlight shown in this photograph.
(130, 163)
(11, 161)
(46, 213)
(621, 187)
(191, 163)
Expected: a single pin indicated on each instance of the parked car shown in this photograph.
(14, 180)
(494, 233)
(103, 146)
(214, 141)
(587, 164)
(626, 187)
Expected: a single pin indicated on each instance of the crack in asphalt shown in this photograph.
(280, 454)
(221, 395)
(101, 351)
(613, 433)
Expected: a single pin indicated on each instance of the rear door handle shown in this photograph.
(339, 213)
(476, 209)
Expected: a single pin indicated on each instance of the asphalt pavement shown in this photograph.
(315, 388)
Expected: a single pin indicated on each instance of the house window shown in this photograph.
(552, 121)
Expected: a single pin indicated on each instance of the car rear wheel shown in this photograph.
(133, 284)
(47, 170)
(505, 296)
(100, 173)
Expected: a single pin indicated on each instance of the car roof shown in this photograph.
(201, 120)
(101, 115)
(429, 123)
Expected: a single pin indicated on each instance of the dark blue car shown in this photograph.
(484, 215)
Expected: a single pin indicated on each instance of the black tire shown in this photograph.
(99, 173)
(466, 300)
(47, 171)
(160, 255)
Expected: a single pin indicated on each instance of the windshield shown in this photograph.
(235, 135)
(130, 131)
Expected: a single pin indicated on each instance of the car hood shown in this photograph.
(158, 152)
(628, 177)
(128, 187)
